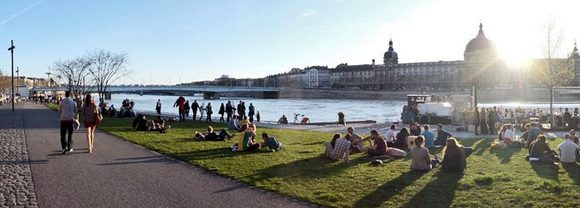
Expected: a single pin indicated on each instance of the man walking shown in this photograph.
(194, 108)
(68, 112)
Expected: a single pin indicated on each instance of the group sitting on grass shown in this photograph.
(140, 123)
(454, 156)
(247, 141)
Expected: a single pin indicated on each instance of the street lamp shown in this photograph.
(11, 49)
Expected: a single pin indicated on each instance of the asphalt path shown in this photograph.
(121, 174)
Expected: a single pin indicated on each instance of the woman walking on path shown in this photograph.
(90, 118)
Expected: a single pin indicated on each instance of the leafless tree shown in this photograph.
(75, 73)
(554, 71)
(107, 68)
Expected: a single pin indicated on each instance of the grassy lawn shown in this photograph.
(494, 178)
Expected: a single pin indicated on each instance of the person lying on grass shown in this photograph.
(271, 142)
(140, 123)
(379, 147)
(211, 135)
(158, 124)
(338, 148)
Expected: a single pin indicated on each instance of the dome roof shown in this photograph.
(391, 57)
(480, 42)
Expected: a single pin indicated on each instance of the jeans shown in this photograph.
(66, 127)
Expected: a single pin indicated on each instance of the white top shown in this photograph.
(390, 136)
(509, 134)
(68, 109)
(568, 151)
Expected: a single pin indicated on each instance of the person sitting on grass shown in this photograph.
(211, 135)
(140, 123)
(338, 149)
(271, 142)
(442, 135)
(401, 139)
(533, 133)
(329, 146)
(420, 159)
(568, 150)
(454, 157)
(356, 141)
(233, 124)
(249, 144)
(244, 121)
(506, 136)
(415, 129)
(540, 151)
(428, 136)
(380, 148)
(159, 125)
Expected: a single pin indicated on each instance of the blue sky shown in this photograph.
(185, 40)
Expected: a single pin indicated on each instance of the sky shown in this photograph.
(178, 41)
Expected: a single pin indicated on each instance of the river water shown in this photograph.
(318, 110)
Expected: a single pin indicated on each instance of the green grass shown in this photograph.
(494, 178)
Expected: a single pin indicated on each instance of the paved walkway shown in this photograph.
(122, 174)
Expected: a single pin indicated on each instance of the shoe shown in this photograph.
(70, 150)
(64, 151)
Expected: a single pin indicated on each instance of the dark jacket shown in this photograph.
(454, 162)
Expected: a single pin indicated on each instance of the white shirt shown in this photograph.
(509, 134)
(68, 109)
(568, 151)
(390, 136)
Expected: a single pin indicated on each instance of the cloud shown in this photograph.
(307, 14)
(20, 12)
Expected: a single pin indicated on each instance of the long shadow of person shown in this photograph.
(545, 170)
(505, 154)
(388, 190)
(573, 170)
(437, 193)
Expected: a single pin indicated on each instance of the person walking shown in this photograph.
(240, 114)
(68, 112)
(251, 112)
(194, 108)
(221, 112)
(90, 119)
(209, 111)
(158, 106)
(180, 102)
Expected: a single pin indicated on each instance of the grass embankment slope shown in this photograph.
(494, 178)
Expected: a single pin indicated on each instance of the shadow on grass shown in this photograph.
(388, 190)
(547, 171)
(481, 145)
(573, 170)
(212, 153)
(315, 167)
(437, 193)
(140, 160)
(505, 154)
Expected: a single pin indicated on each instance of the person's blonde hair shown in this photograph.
(452, 146)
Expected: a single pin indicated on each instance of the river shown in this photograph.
(318, 110)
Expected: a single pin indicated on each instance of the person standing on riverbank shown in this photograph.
(252, 111)
(476, 120)
(158, 106)
(240, 114)
(201, 111)
(341, 120)
(209, 111)
(186, 106)
(229, 110)
(180, 102)
(221, 112)
(194, 107)
(68, 112)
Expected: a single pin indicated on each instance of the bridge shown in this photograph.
(209, 92)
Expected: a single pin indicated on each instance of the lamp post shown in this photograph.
(11, 49)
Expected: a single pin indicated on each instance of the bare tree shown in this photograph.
(554, 71)
(107, 68)
(75, 73)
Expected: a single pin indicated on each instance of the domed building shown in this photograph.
(391, 57)
(481, 59)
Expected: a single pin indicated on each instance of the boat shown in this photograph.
(427, 109)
